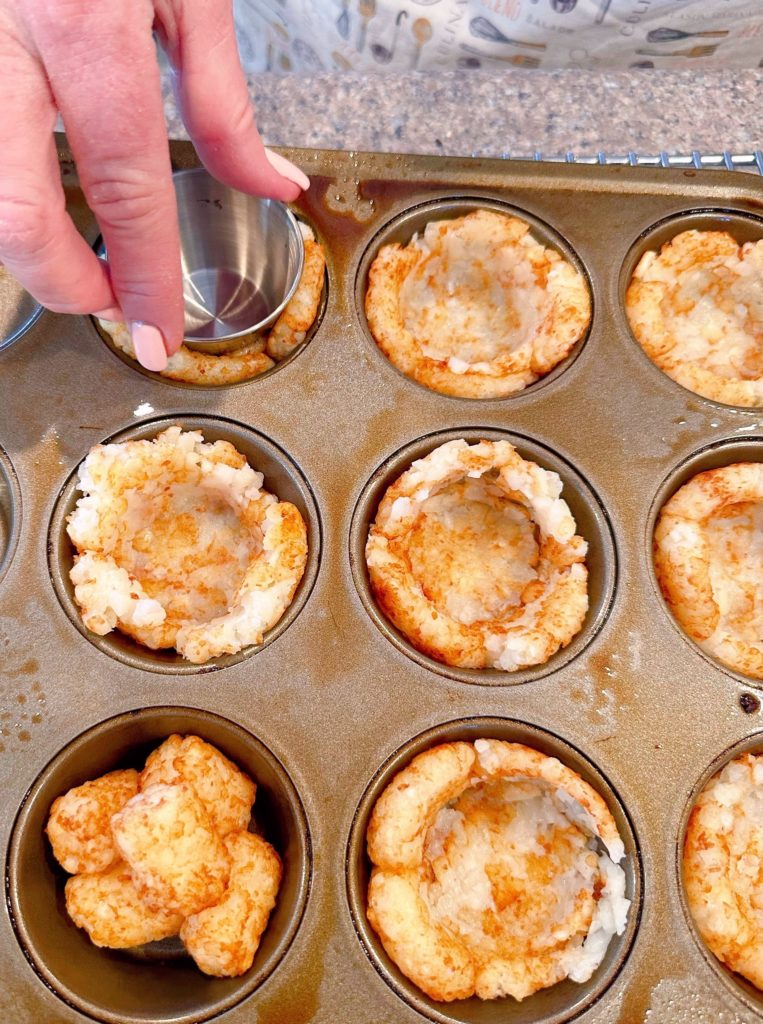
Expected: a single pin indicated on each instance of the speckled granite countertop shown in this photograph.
(516, 112)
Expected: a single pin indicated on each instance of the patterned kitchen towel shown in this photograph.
(401, 35)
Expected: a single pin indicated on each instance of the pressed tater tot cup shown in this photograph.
(592, 523)
(282, 477)
(716, 455)
(159, 981)
(735, 983)
(742, 227)
(561, 1002)
(412, 222)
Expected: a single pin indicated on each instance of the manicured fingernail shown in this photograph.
(149, 345)
(112, 313)
(287, 169)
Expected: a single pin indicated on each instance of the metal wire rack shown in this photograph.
(751, 162)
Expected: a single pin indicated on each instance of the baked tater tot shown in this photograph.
(107, 905)
(226, 792)
(223, 939)
(178, 861)
(79, 826)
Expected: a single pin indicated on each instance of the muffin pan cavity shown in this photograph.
(730, 980)
(589, 515)
(254, 375)
(282, 478)
(713, 456)
(743, 227)
(157, 982)
(561, 1002)
(402, 228)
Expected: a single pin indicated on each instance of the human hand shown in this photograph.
(94, 61)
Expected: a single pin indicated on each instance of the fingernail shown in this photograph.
(287, 169)
(149, 345)
(112, 313)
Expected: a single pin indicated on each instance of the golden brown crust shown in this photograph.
(721, 866)
(226, 792)
(79, 826)
(223, 939)
(109, 907)
(177, 860)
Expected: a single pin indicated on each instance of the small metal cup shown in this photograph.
(18, 310)
(242, 259)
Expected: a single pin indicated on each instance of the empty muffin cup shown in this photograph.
(10, 512)
(281, 477)
(560, 1002)
(591, 521)
(158, 981)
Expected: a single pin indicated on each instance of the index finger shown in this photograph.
(102, 67)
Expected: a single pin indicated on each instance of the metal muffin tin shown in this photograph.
(335, 698)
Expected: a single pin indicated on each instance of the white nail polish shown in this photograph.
(149, 346)
(287, 169)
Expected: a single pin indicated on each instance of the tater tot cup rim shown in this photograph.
(560, 1003)
(743, 990)
(283, 477)
(591, 518)
(157, 982)
(403, 226)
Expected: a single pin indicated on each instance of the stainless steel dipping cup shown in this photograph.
(242, 259)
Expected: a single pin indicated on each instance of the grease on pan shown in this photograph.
(179, 545)
(722, 854)
(708, 547)
(496, 872)
(474, 557)
(475, 306)
(696, 308)
(259, 352)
